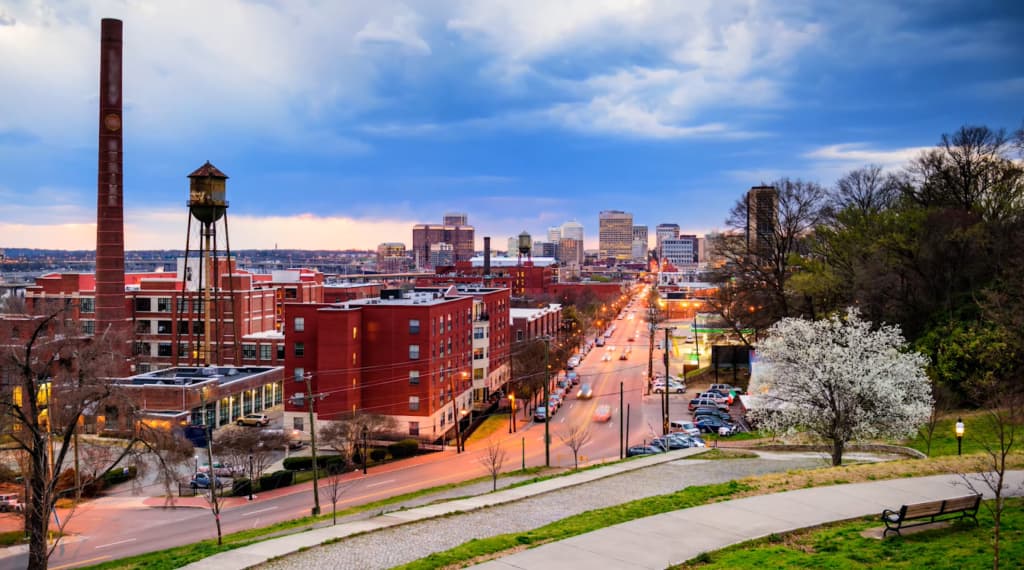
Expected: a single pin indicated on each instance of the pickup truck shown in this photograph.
(11, 502)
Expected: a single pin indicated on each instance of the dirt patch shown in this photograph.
(878, 532)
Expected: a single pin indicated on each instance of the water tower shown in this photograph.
(207, 331)
(525, 247)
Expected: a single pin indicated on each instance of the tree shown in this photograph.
(52, 379)
(575, 439)
(235, 444)
(492, 460)
(345, 433)
(841, 380)
(335, 489)
(1003, 418)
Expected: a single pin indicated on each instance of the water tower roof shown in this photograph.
(207, 171)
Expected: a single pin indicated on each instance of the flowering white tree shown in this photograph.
(841, 380)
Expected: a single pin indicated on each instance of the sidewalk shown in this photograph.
(663, 540)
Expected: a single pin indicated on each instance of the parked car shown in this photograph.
(603, 413)
(11, 502)
(554, 402)
(688, 428)
(624, 355)
(708, 424)
(574, 361)
(563, 384)
(540, 413)
(659, 387)
(599, 341)
(726, 388)
(711, 411)
(716, 395)
(258, 420)
(585, 392)
(573, 377)
(672, 443)
(691, 440)
(203, 481)
(643, 450)
(702, 402)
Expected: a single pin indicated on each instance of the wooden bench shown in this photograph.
(966, 507)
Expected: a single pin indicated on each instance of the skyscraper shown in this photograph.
(456, 219)
(460, 237)
(664, 232)
(640, 243)
(762, 211)
(573, 230)
(615, 235)
(554, 234)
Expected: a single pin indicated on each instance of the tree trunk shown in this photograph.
(38, 506)
(837, 452)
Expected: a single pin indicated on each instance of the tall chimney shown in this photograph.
(487, 256)
(110, 297)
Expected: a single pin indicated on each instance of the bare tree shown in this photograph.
(867, 190)
(1003, 418)
(492, 460)
(54, 378)
(575, 439)
(335, 489)
(942, 401)
(235, 444)
(344, 433)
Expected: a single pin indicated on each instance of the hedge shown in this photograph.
(119, 475)
(404, 448)
(378, 454)
(241, 487)
(277, 479)
(305, 463)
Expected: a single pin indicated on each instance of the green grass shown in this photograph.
(11, 538)
(722, 453)
(841, 546)
(487, 428)
(976, 431)
(742, 436)
(578, 524)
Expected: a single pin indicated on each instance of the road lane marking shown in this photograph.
(116, 543)
(249, 514)
(380, 483)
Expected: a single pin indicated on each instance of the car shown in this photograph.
(659, 387)
(599, 341)
(699, 402)
(563, 384)
(573, 377)
(603, 413)
(672, 443)
(607, 357)
(585, 392)
(726, 388)
(708, 424)
(624, 355)
(631, 339)
(643, 450)
(540, 413)
(681, 426)
(691, 440)
(258, 420)
(203, 481)
(717, 396)
(554, 402)
(714, 412)
(574, 361)
(11, 502)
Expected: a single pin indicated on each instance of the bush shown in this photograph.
(276, 480)
(306, 463)
(241, 487)
(404, 448)
(119, 475)
(377, 454)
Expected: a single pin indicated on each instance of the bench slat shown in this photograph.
(923, 510)
(960, 504)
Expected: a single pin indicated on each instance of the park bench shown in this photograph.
(966, 507)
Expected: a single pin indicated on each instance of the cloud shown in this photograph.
(860, 154)
(400, 31)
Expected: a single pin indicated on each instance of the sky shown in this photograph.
(343, 124)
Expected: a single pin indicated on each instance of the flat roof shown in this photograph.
(192, 375)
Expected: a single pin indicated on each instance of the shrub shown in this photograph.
(241, 487)
(277, 479)
(378, 454)
(119, 475)
(306, 463)
(404, 448)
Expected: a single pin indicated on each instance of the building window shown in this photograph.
(163, 327)
(163, 305)
(478, 333)
(87, 305)
(248, 351)
(300, 374)
(142, 348)
(414, 403)
(478, 374)
(143, 327)
(414, 351)
(291, 293)
(478, 354)
(89, 327)
(198, 327)
(414, 326)
(300, 349)
(297, 423)
(414, 376)
(182, 304)
(355, 333)
(300, 324)
(163, 349)
(142, 304)
(280, 351)
(144, 368)
(414, 428)
(265, 351)
(520, 335)
(182, 327)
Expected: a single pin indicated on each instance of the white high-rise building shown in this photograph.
(572, 230)
(554, 234)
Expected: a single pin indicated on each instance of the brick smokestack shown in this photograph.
(487, 256)
(110, 297)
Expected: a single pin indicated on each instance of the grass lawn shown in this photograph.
(976, 430)
(492, 424)
(11, 538)
(841, 546)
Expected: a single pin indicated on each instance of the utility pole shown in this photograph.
(312, 444)
(455, 412)
(622, 427)
(664, 420)
(547, 404)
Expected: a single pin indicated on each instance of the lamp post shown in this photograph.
(959, 436)
(512, 413)
(251, 475)
(366, 435)
(197, 462)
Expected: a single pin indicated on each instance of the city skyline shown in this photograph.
(340, 127)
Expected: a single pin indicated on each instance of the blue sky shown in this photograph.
(342, 124)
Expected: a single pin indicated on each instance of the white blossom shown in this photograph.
(841, 380)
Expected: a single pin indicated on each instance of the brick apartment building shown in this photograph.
(424, 357)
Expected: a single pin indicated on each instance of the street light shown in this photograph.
(959, 436)
(252, 473)
(512, 413)
(366, 434)
(197, 463)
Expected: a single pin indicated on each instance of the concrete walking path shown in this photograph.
(659, 541)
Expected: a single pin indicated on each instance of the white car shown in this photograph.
(688, 428)
(573, 362)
